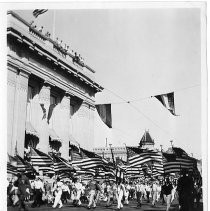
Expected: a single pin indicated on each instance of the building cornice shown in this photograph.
(44, 48)
(17, 63)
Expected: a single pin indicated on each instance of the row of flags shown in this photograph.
(140, 163)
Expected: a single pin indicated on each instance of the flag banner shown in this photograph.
(51, 108)
(177, 160)
(104, 111)
(38, 12)
(44, 111)
(131, 171)
(137, 156)
(23, 166)
(41, 160)
(168, 101)
(86, 159)
(11, 169)
(60, 164)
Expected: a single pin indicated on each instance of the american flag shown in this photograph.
(23, 166)
(86, 159)
(178, 160)
(137, 156)
(41, 160)
(11, 169)
(134, 171)
(60, 164)
(38, 12)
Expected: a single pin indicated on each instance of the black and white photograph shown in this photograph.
(106, 106)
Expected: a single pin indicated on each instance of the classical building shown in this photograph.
(50, 95)
(118, 152)
(146, 141)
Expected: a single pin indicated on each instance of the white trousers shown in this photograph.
(58, 199)
(78, 195)
(91, 199)
(119, 200)
(126, 197)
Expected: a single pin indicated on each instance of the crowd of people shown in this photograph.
(90, 193)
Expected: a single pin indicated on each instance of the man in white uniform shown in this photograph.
(58, 190)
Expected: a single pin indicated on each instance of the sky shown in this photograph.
(139, 53)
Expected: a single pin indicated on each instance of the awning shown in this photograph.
(54, 136)
(30, 130)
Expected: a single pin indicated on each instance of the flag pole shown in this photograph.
(53, 33)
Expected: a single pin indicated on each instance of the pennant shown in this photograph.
(104, 111)
(38, 12)
(52, 106)
(44, 111)
(168, 101)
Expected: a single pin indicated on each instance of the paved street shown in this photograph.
(101, 206)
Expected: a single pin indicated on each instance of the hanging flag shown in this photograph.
(134, 171)
(86, 159)
(23, 166)
(104, 111)
(137, 156)
(52, 106)
(44, 111)
(11, 169)
(61, 165)
(40, 160)
(38, 12)
(178, 160)
(168, 101)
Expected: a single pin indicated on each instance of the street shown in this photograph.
(132, 206)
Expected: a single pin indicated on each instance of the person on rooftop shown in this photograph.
(41, 29)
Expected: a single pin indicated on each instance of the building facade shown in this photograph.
(118, 153)
(50, 93)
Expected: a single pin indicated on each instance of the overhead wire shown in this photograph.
(144, 98)
(138, 110)
(130, 103)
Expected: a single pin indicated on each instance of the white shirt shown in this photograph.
(148, 188)
(78, 186)
(154, 187)
(39, 185)
(65, 188)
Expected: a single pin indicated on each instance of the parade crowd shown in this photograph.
(89, 193)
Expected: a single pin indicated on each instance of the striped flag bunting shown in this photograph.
(167, 101)
(60, 164)
(134, 171)
(137, 156)
(23, 166)
(11, 169)
(41, 160)
(86, 159)
(178, 160)
(38, 12)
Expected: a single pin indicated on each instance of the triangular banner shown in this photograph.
(104, 111)
(168, 101)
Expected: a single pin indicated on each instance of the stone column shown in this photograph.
(44, 98)
(64, 126)
(83, 129)
(19, 112)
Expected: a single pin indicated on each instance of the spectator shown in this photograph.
(41, 29)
